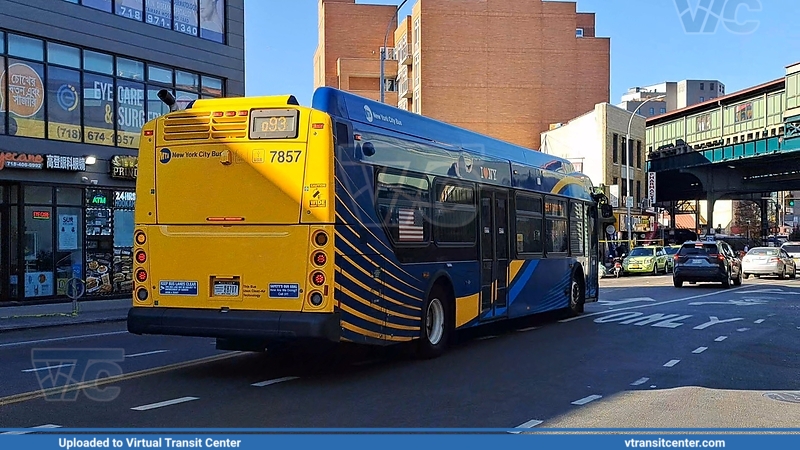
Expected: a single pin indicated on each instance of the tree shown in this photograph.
(747, 217)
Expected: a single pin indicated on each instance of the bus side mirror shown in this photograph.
(368, 149)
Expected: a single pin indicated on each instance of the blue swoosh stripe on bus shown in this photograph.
(366, 295)
(360, 338)
(397, 288)
(350, 247)
(380, 241)
(377, 314)
(361, 245)
(522, 279)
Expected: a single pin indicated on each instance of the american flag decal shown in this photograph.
(410, 225)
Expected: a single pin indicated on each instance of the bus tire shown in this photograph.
(577, 294)
(435, 325)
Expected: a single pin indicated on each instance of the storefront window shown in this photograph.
(99, 243)
(69, 235)
(13, 239)
(42, 195)
(69, 196)
(123, 241)
(26, 94)
(38, 251)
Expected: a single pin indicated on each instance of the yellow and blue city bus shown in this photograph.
(259, 220)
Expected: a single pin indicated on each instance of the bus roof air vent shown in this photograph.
(292, 101)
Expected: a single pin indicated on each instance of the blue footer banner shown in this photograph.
(400, 439)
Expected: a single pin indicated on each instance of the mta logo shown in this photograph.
(706, 16)
(165, 155)
(64, 373)
(368, 113)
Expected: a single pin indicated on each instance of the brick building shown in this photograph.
(506, 68)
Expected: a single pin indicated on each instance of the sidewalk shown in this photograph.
(59, 314)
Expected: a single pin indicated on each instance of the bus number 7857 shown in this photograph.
(287, 156)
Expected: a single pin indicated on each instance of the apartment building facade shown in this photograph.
(676, 95)
(504, 68)
(596, 144)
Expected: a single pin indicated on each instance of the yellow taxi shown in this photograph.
(647, 259)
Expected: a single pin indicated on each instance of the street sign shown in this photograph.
(651, 187)
(629, 201)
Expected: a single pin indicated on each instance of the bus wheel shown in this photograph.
(577, 295)
(434, 330)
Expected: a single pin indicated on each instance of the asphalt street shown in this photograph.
(647, 355)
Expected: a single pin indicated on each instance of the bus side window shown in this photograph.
(342, 136)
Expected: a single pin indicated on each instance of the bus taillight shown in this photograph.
(141, 275)
(315, 298)
(244, 113)
(217, 114)
(321, 239)
(141, 294)
(320, 258)
(141, 238)
(318, 278)
(141, 257)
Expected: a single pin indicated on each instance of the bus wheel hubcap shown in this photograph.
(434, 321)
(576, 292)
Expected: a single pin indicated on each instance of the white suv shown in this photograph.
(793, 249)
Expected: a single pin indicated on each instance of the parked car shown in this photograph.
(647, 259)
(768, 261)
(699, 261)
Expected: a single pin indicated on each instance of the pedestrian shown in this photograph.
(746, 248)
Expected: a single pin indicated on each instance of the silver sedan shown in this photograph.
(768, 261)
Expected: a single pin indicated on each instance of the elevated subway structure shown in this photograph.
(741, 146)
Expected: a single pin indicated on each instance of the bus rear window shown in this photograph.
(273, 123)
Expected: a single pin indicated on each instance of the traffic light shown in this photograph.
(790, 200)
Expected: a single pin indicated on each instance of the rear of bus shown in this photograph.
(234, 223)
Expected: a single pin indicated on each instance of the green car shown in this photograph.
(671, 251)
(648, 259)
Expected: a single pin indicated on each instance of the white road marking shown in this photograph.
(164, 403)
(713, 320)
(65, 338)
(625, 301)
(672, 362)
(275, 381)
(700, 350)
(32, 429)
(743, 329)
(528, 329)
(586, 400)
(727, 291)
(146, 353)
(745, 302)
(652, 386)
(47, 367)
(529, 424)
(759, 321)
(721, 338)
(483, 338)
(771, 291)
(640, 381)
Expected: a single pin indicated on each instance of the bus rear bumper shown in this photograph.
(252, 325)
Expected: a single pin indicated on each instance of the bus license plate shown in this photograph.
(226, 289)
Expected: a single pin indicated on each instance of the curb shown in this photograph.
(77, 321)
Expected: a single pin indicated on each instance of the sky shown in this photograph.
(751, 43)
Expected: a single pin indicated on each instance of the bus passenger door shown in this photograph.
(494, 253)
